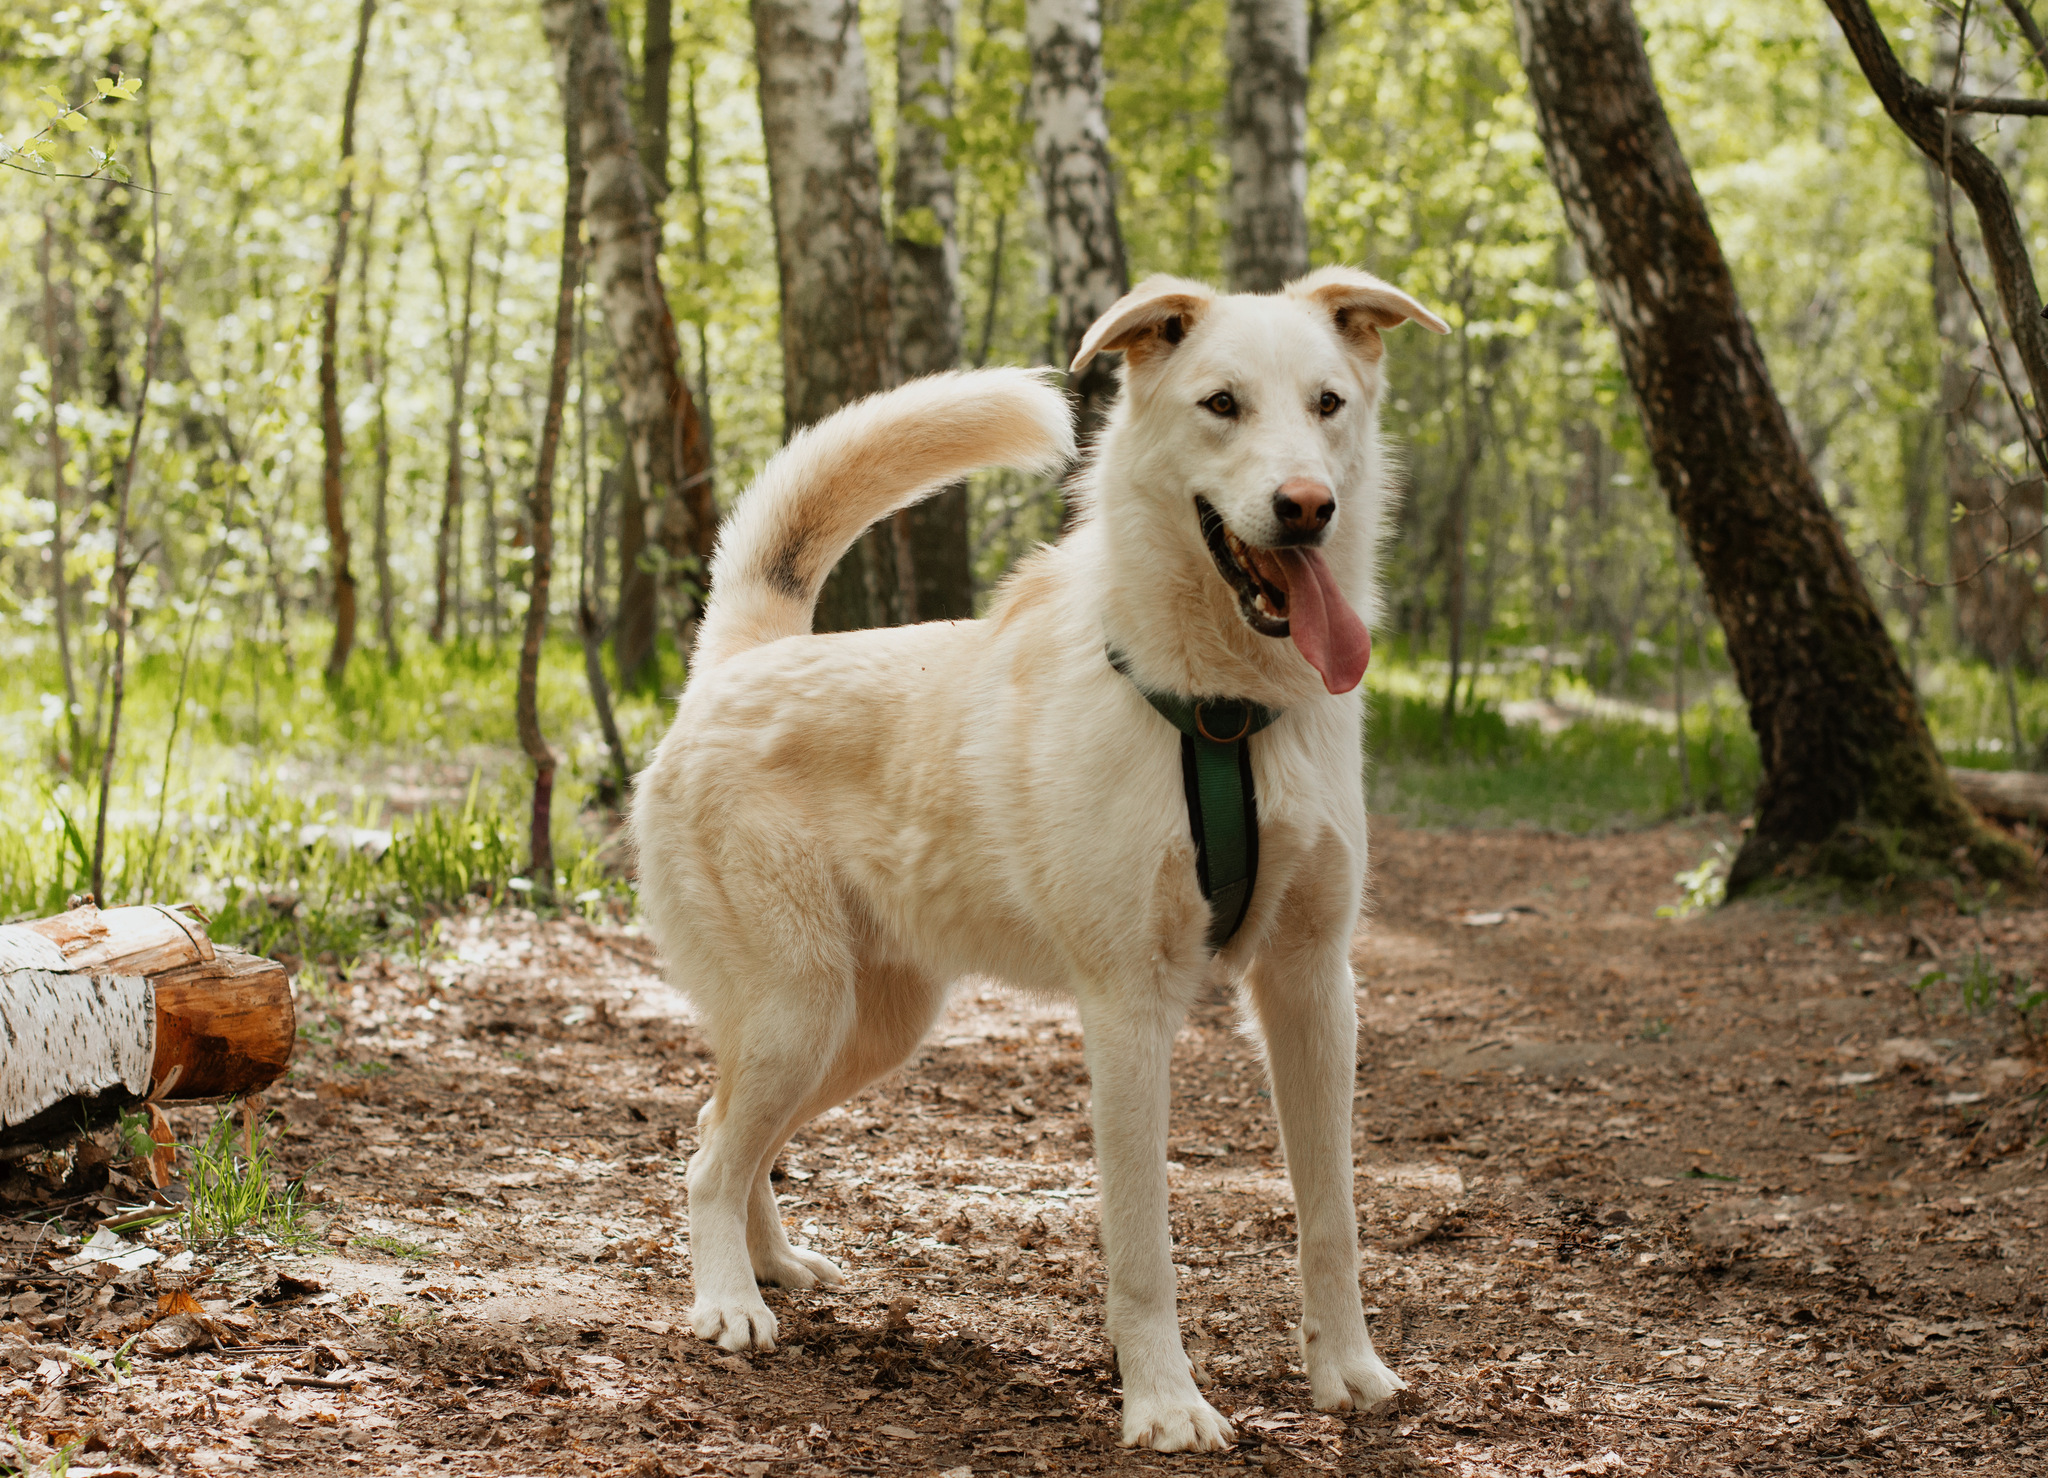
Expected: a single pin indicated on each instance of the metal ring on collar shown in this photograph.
(1203, 729)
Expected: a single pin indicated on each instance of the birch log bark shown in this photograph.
(1852, 783)
(833, 255)
(937, 578)
(1267, 43)
(1072, 142)
(332, 447)
(662, 427)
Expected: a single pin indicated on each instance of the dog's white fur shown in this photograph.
(837, 826)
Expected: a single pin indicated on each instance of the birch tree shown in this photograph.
(1085, 246)
(933, 563)
(831, 252)
(1267, 208)
(663, 431)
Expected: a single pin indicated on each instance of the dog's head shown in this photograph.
(1249, 434)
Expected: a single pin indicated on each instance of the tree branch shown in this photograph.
(2024, 19)
(1924, 116)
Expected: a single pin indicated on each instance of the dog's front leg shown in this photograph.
(1129, 1046)
(1309, 1014)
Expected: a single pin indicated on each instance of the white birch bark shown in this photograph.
(1267, 208)
(934, 564)
(662, 426)
(64, 1035)
(1072, 142)
(825, 183)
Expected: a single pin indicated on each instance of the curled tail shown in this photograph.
(834, 479)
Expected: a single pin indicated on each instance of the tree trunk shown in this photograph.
(1852, 784)
(829, 245)
(448, 543)
(578, 30)
(343, 578)
(487, 536)
(926, 306)
(662, 428)
(123, 571)
(449, 539)
(1072, 142)
(589, 572)
(638, 619)
(376, 369)
(1267, 43)
(1999, 615)
(657, 64)
(634, 629)
(60, 584)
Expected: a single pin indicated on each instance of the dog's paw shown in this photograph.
(1356, 1382)
(1175, 1423)
(798, 1267)
(734, 1323)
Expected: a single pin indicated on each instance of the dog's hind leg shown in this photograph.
(1304, 996)
(895, 1008)
(1128, 1040)
(778, 1052)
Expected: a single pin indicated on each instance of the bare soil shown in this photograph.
(1709, 1195)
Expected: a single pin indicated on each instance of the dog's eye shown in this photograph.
(1331, 403)
(1222, 403)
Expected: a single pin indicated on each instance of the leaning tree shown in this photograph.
(1852, 783)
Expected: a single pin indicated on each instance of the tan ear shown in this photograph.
(1360, 305)
(1149, 319)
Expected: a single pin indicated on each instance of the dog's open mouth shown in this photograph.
(1291, 592)
(1261, 593)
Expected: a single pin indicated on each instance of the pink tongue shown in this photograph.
(1324, 626)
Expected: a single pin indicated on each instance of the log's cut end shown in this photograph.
(223, 1026)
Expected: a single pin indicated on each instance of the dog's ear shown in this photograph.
(1360, 305)
(1148, 320)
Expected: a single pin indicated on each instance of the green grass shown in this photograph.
(230, 1190)
(1593, 776)
(273, 777)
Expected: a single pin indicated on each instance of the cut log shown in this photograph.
(2006, 795)
(101, 1010)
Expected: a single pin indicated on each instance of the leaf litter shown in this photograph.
(1701, 1194)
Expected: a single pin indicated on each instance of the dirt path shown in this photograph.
(1637, 1196)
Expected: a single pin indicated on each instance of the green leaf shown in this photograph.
(72, 121)
(106, 85)
(920, 227)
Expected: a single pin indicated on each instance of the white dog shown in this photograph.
(838, 826)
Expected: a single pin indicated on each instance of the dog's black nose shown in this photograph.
(1304, 506)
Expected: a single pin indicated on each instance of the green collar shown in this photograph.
(1223, 805)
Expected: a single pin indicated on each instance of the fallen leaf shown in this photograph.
(173, 1336)
(901, 1434)
(105, 1246)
